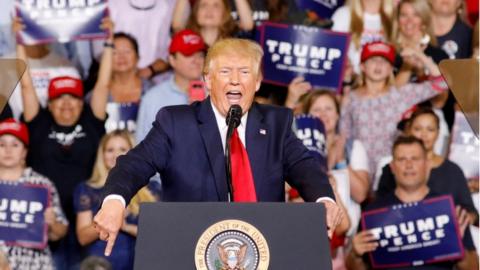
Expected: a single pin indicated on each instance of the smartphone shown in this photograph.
(196, 91)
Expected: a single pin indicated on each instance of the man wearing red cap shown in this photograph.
(64, 137)
(187, 52)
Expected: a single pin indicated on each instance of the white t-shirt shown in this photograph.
(358, 157)
(42, 70)
(372, 31)
(149, 22)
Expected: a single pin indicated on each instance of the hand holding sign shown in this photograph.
(296, 89)
(363, 242)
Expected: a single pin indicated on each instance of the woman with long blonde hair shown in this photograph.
(87, 201)
(366, 21)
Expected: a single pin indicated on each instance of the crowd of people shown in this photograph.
(82, 104)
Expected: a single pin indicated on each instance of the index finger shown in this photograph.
(110, 242)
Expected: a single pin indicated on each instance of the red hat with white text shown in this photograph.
(187, 42)
(65, 85)
(15, 128)
(378, 48)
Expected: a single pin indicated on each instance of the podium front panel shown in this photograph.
(175, 235)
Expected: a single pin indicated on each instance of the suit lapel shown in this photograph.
(213, 144)
(256, 140)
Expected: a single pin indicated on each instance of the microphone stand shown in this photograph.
(228, 163)
(233, 120)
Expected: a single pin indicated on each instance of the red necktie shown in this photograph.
(242, 179)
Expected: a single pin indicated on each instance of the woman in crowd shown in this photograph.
(413, 29)
(377, 105)
(14, 143)
(125, 86)
(367, 21)
(454, 35)
(212, 19)
(446, 177)
(87, 200)
(342, 155)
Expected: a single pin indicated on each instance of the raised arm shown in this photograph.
(31, 105)
(181, 12)
(245, 15)
(99, 99)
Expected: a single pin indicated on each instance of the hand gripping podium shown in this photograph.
(232, 236)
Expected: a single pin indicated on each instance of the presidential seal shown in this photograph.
(232, 245)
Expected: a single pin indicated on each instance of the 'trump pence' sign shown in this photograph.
(22, 210)
(60, 20)
(294, 50)
(415, 233)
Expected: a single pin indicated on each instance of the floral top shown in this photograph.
(373, 121)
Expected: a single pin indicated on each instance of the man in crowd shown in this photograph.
(186, 146)
(187, 54)
(410, 167)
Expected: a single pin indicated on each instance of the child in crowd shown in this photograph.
(14, 144)
(374, 109)
(88, 198)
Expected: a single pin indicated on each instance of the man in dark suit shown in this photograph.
(186, 146)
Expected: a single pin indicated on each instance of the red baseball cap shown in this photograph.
(65, 85)
(187, 42)
(15, 128)
(378, 48)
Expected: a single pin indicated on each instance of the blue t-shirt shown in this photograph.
(87, 198)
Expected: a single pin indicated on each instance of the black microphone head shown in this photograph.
(234, 115)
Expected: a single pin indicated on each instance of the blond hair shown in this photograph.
(100, 170)
(234, 46)
(423, 10)
(356, 22)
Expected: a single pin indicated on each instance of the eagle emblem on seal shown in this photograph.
(232, 258)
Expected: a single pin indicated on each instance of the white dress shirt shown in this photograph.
(223, 128)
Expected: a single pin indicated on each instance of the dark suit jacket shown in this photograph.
(185, 147)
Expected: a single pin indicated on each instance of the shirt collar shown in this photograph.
(221, 121)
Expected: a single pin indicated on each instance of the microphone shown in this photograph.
(233, 121)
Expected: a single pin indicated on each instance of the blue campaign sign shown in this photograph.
(311, 131)
(294, 50)
(22, 208)
(323, 8)
(414, 234)
(50, 20)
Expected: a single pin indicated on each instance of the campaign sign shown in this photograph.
(60, 20)
(311, 132)
(295, 50)
(121, 116)
(323, 8)
(465, 147)
(415, 233)
(22, 208)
